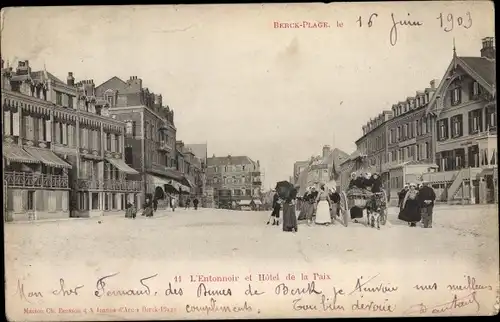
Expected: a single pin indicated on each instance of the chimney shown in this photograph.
(434, 83)
(488, 50)
(326, 150)
(70, 80)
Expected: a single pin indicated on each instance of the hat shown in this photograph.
(406, 185)
(413, 184)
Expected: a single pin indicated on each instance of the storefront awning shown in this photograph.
(244, 202)
(48, 157)
(15, 153)
(258, 202)
(158, 181)
(122, 166)
(188, 182)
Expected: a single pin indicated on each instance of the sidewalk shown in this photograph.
(115, 214)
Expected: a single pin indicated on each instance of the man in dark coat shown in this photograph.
(155, 204)
(188, 203)
(312, 200)
(335, 202)
(195, 203)
(276, 209)
(426, 197)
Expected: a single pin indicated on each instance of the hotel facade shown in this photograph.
(62, 152)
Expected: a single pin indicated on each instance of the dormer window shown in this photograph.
(475, 90)
(110, 100)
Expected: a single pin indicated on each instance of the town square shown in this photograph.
(187, 164)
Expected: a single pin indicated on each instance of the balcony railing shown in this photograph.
(114, 185)
(164, 146)
(35, 180)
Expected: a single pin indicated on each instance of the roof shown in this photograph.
(199, 150)
(481, 69)
(484, 67)
(229, 160)
(40, 75)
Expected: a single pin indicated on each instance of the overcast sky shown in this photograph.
(245, 88)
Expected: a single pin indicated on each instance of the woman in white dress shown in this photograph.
(323, 210)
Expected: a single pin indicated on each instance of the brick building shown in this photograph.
(239, 177)
(150, 135)
(57, 146)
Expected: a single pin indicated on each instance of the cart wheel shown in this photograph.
(383, 217)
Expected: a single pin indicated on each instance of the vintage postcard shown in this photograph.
(250, 161)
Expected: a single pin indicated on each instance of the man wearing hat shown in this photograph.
(314, 205)
(275, 215)
(426, 197)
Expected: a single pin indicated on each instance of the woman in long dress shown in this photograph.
(323, 209)
(289, 217)
(410, 211)
(305, 205)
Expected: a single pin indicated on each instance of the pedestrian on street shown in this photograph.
(173, 203)
(323, 216)
(305, 205)
(130, 211)
(334, 203)
(275, 214)
(402, 194)
(155, 204)
(148, 208)
(314, 204)
(188, 203)
(409, 208)
(289, 216)
(195, 203)
(426, 197)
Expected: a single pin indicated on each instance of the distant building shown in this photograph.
(298, 167)
(200, 152)
(322, 169)
(236, 177)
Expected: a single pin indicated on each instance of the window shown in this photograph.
(456, 96)
(129, 155)
(475, 121)
(109, 98)
(398, 134)
(426, 151)
(475, 90)
(59, 98)
(70, 101)
(129, 127)
(491, 117)
(108, 142)
(405, 131)
(443, 129)
(417, 127)
(456, 126)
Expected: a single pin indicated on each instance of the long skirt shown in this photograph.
(276, 211)
(323, 213)
(356, 213)
(289, 217)
(411, 212)
(304, 211)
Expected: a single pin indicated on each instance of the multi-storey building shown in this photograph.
(409, 150)
(373, 143)
(322, 169)
(239, 175)
(466, 128)
(298, 167)
(51, 131)
(193, 169)
(150, 135)
(201, 153)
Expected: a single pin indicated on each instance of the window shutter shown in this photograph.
(64, 133)
(48, 130)
(470, 122)
(6, 123)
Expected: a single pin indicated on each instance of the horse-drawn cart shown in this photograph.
(363, 199)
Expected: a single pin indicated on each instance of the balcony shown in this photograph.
(164, 146)
(110, 185)
(35, 180)
(257, 182)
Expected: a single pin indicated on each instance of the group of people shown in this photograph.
(366, 182)
(150, 206)
(416, 203)
(322, 206)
